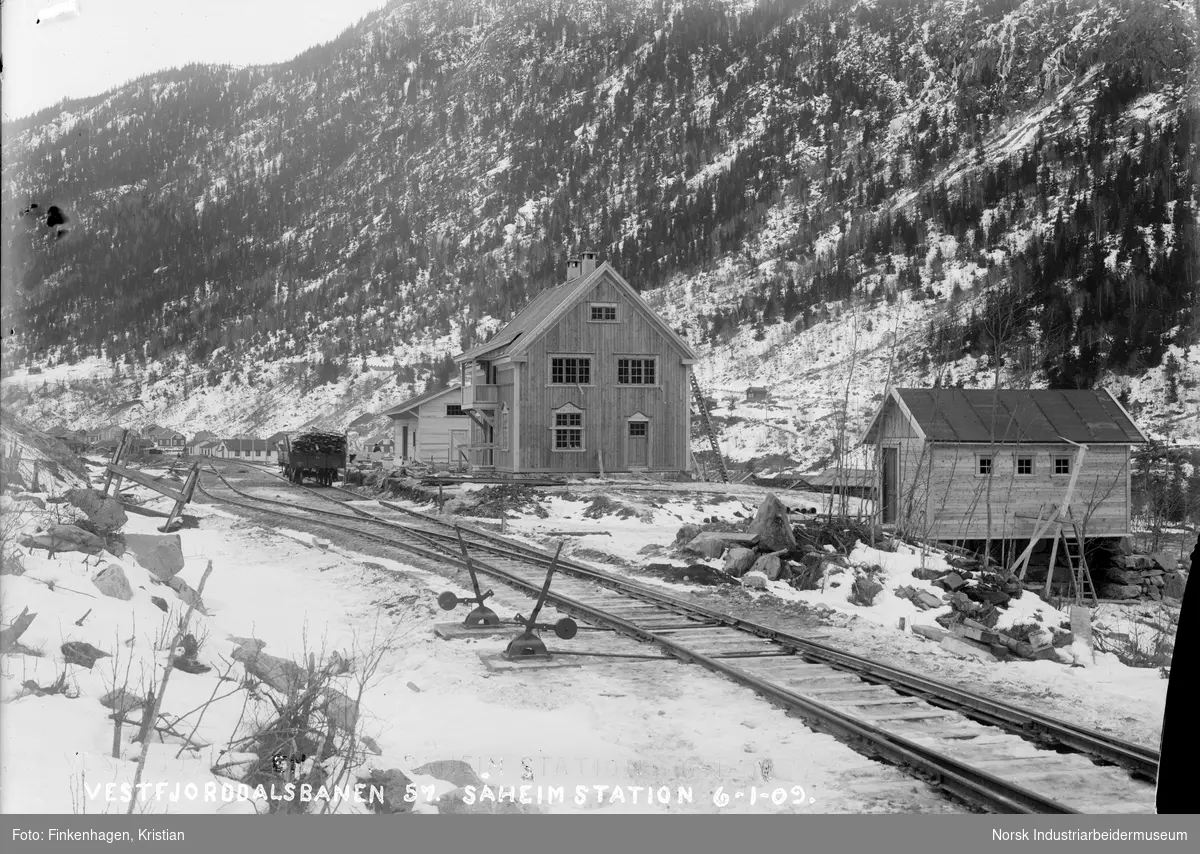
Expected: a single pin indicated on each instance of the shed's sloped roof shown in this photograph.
(1012, 415)
(414, 402)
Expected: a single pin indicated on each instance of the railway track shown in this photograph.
(991, 754)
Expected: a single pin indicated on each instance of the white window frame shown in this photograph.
(567, 409)
(1017, 465)
(1054, 463)
(980, 459)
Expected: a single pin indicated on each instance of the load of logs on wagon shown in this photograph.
(315, 453)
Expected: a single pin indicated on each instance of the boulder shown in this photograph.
(1119, 591)
(754, 580)
(121, 701)
(967, 648)
(111, 581)
(1163, 560)
(281, 674)
(1154, 593)
(161, 554)
(106, 514)
(452, 771)
(394, 784)
(83, 654)
(65, 538)
(1173, 585)
(772, 526)
(738, 561)
(1122, 576)
(770, 565)
(709, 544)
(926, 574)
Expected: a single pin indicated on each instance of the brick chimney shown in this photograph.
(587, 263)
(572, 268)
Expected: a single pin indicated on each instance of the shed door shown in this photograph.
(889, 486)
(637, 444)
(458, 439)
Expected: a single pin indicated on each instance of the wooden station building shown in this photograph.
(587, 379)
(960, 465)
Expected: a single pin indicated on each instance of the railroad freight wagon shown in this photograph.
(319, 456)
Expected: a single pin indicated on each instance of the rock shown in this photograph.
(279, 673)
(121, 701)
(65, 538)
(1119, 591)
(754, 580)
(1115, 575)
(951, 581)
(342, 710)
(772, 526)
(864, 591)
(189, 665)
(967, 648)
(452, 771)
(35, 500)
(1173, 585)
(925, 600)
(807, 577)
(925, 574)
(83, 654)
(106, 514)
(1154, 593)
(12, 634)
(738, 561)
(394, 784)
(111, 581)
(161, 603)
(186, 594)
(709, 544)
(161, 554)
(770, 565)
(930, 632)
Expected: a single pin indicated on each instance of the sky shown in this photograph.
(55, 49)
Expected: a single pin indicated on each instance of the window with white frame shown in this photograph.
(568, 430)
(1062, 465)
(1024, 466)
(984, 466)
(602, 312)
(636, 371)
(570, 370)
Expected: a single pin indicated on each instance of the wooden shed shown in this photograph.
(757, 394)
(431, 428)
(586, 379)
(959, 464)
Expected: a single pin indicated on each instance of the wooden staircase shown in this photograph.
(708, 428)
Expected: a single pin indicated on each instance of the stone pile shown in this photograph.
(764, 552)
(1134, 576)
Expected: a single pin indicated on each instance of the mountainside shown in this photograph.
(822, 196)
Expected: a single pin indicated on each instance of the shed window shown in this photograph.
(453, 409)
(568, 431)
(603, 312)
(637, 428)
(570, 370)
(1025, 465)
(985, 466)
(1062, 465)
(635, 372)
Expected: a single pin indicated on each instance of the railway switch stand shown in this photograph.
(481, 617)
(528, 644)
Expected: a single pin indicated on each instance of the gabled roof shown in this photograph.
(545, 310)
(210, 444)
(1012, 415)
(414, 402)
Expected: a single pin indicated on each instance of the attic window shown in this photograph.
(602, 312)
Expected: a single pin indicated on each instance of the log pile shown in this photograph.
(319, 442)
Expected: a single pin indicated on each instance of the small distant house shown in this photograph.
(757, 394)
(107, 433)
(165, 437)
(252, 450)
(958, 464)
(206, 449)
(431, 428)
(380, 446)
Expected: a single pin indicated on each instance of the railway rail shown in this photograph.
(986, 752)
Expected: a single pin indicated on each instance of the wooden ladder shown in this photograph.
(708, 428)
(1081, 576)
